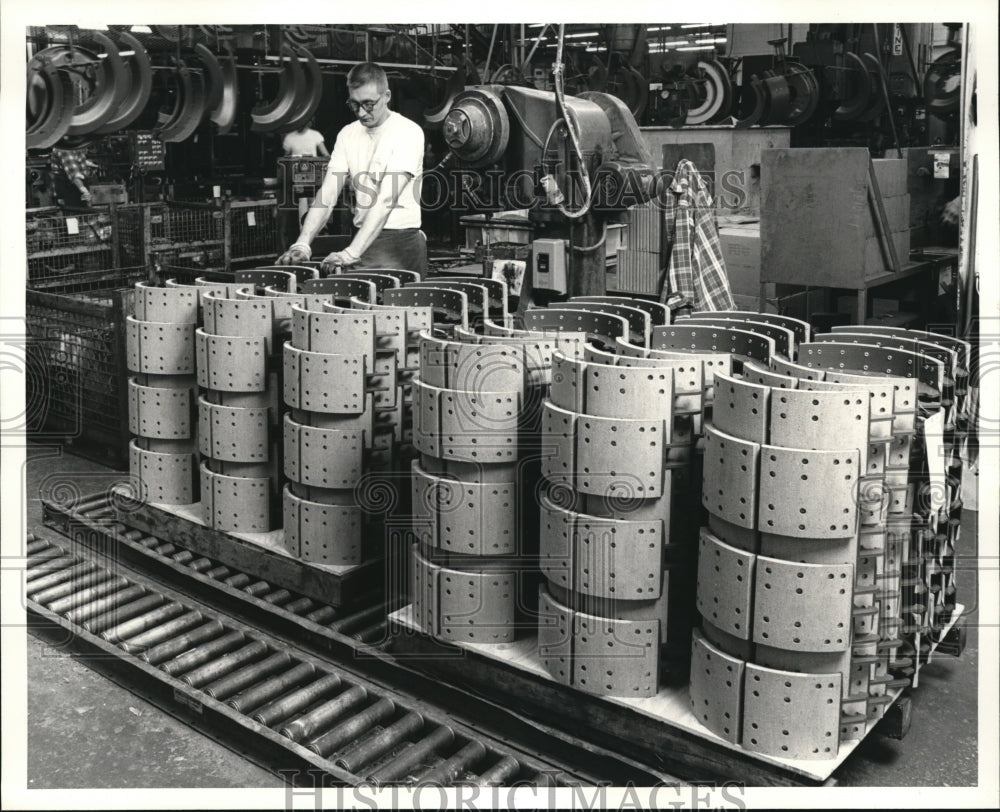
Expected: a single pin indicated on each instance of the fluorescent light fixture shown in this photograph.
(141, 29)
(582, 34)
(593, 48)
(709, 41)
(697, 25)
(669, 44)
(697, 48)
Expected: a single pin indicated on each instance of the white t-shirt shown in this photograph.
(393, 150)
(296, 143)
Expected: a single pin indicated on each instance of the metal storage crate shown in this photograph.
(76, 384)
(58, 244)
(183, 225)
(132, 245)
(186, 265)
(63, 246)
(251, 232)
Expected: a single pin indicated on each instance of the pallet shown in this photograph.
(660, 730)
(258, 554)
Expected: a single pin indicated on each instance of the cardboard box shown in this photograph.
(741, 251)
(884, 307)
(875, 264)
(897, 211)
(891, 174)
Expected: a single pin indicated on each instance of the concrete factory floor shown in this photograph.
(86, 731)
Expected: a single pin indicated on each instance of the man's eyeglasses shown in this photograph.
(367, 105)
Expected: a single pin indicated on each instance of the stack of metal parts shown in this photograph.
(468, 402)
(799, 566)
(160, 350)
(340, 382)
(475, 513)
(605, 525)
(698, 348)
(929, 496)
(587, 506)
(640, 263)
(348, 380)
(584, 508)
(237, 413)
(420, 309)
(693, 376)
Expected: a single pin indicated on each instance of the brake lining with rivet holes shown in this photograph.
(797, 570)
(160, 352)
(237, 350)
(609, 459)
(345, 399)
(469, 427)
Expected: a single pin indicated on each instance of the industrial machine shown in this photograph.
(575, 163)
(301, 175)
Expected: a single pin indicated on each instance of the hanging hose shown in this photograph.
(548, 137)
(557, 75)
(586, 249)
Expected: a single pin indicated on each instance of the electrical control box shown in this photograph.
(300, 176)
(549, 264)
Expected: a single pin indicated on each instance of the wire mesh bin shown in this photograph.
(186, 265)
(62, 247)
(132, 246)
(183, 224)
(58, 244)
(251, 231)
(76, 381)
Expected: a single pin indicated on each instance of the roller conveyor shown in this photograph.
(234, 680)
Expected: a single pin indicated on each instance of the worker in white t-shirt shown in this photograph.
(381, 155)
(304, 141)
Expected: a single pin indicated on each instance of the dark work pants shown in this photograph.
(401, 249)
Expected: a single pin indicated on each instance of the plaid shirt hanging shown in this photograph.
(696, 271)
